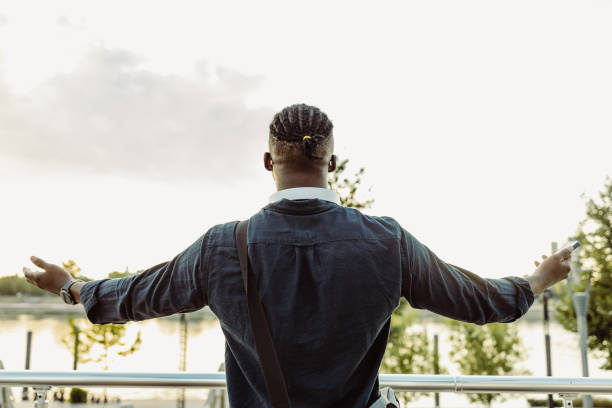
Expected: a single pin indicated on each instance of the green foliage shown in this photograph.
(408, 351)
(69, 340)
(493, 349)
(78, 395)
(14, 285)
(124, 274)
(595, 236)
(347, 187)
(75, 270)
(97, 342)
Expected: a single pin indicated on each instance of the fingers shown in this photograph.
(564, 254)
(30, 275)
(537, 263)
(39, 262)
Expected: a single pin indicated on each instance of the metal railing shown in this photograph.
(566, 387)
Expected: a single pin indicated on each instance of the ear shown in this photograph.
(268, 161)
(332, 164)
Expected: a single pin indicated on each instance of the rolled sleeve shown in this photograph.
(524, 295)
(451, 291)
(177, 286)
(105, 290)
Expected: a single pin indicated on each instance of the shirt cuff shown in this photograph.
(99, 298)
(524, 295)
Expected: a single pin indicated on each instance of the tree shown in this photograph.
(97, 342)
(493, 349)
(124, 274)
(347, 188)
(75, 270)
(408, 348)
(17, 285)
(595, 236)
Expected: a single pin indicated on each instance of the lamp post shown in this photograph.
(24, 392)
(436, 368)
(75, 361)
(545, 296)
(580, 301)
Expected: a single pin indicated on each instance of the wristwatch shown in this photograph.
(65, 292)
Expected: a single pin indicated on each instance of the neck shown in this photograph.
(300, 179)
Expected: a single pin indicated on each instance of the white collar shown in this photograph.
(304, 193)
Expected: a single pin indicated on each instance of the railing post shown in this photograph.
(41, 396)
(567, 399)
(436, 367)
(24, 392)
(545, 295)
(75, 362)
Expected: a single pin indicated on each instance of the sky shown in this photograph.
(127, 129)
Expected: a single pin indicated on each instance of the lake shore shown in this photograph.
(53, 306)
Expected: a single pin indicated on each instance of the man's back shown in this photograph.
(329, 278)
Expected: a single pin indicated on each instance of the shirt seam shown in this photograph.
(308, 244)
(204, 264)
(275, 209)
(404, 274)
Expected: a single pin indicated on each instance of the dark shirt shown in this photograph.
(329, 278)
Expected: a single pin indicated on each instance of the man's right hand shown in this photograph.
(51, 278)
(551, 270)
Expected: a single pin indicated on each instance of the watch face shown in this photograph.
(66, 297)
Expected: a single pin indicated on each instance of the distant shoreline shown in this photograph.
(53, 306)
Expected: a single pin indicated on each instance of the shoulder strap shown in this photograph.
(273, 376)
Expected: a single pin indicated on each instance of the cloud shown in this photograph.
(110, 115)
(65, 22)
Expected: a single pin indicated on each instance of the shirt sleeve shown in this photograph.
(177, 286)
(429, 283)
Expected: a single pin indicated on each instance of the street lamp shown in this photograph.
(580, 301)
(545, 296)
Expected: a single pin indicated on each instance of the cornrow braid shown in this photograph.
(302, 124)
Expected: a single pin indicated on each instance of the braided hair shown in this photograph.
(303, 124)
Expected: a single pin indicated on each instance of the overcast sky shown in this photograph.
(127, 129)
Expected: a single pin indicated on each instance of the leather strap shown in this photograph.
(273, 376)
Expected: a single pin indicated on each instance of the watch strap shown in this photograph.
(66, 289)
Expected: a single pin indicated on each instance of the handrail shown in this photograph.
(399, 382)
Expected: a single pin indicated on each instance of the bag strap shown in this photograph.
(273, 376)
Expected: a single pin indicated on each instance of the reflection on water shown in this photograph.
(159, 350)
(205, 349)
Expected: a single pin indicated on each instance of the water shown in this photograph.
(205, 350)
(159, 350)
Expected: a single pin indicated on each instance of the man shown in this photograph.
(328, 276)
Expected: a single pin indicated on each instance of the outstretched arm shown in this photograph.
(172, 287)
(430, 283)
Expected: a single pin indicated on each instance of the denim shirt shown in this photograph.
(329, 278)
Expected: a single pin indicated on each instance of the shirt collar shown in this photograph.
(305, 193)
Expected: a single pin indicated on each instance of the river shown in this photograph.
(205, 347)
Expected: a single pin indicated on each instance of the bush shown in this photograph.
(12, 285)
(78, 395)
